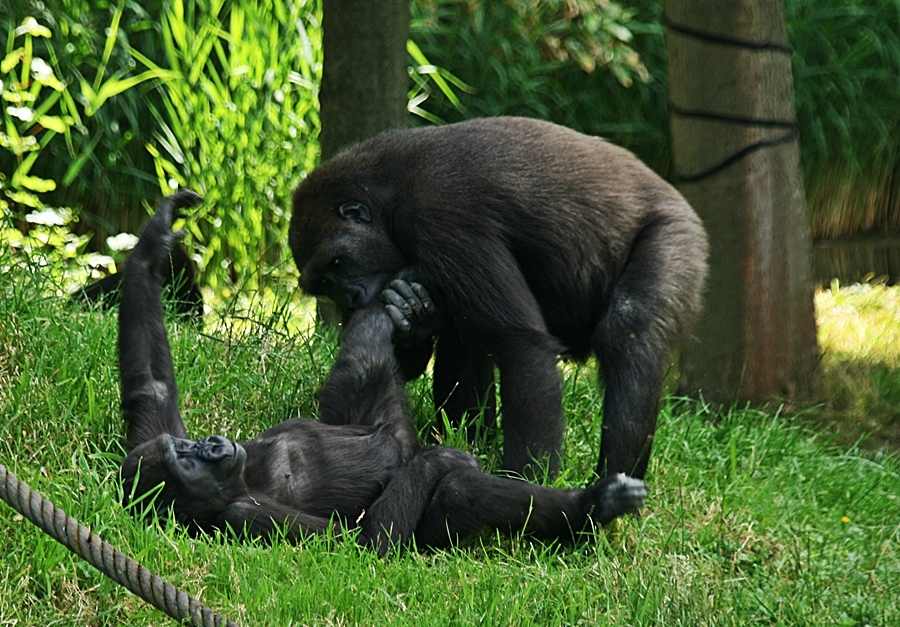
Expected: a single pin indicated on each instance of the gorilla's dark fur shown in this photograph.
(535, 241)
(365, 468)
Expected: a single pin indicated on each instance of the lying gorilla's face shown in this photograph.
(200, 478)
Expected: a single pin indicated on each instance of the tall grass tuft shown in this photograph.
(239, 125)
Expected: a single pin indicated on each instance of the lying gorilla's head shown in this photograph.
(198, 478)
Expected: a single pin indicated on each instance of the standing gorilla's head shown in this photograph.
(340, 235)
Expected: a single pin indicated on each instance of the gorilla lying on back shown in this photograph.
(301, 475)
(535, 241)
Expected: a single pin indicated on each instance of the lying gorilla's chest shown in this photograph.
(342, 474)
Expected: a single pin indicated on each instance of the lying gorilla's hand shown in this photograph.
(411, 309)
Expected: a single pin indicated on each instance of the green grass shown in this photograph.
(752, 519)
(859, 335)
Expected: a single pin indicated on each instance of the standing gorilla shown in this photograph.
(301, 474)
(535, 241)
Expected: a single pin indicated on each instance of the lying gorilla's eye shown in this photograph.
(336, 262)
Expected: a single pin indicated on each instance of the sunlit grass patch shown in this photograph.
(859, 336)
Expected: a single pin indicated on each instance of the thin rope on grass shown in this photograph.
(102, 556)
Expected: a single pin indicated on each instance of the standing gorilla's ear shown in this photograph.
(355, 212)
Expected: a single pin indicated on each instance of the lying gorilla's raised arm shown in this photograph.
(149, 394)
(365, 386)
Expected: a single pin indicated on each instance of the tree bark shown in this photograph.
(737, 159)
(364, 71)
(364, 80)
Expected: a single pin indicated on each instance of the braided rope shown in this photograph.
(101, 555)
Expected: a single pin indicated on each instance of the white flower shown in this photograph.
(40, 69)
(122, 241)
(23, 113)
(50, 217)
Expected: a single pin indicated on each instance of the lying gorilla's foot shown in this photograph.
(615, 496)
(158, 237)
(411, 309)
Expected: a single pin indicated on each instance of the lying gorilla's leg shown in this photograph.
(365, 386)
(442, 496)
(149, 394)
(467, 499)
(393, 518)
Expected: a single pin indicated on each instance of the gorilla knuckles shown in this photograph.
(534, 240)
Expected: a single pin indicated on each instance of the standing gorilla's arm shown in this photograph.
(149, 394)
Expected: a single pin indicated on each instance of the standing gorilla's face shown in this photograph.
(341, 245)
(199, 478)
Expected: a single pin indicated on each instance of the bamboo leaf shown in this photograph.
(55, 123)
(78, 163)
(11, 60)
(417, 55)
(115, 86)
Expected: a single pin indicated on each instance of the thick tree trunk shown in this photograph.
(736, 155)
(364, 74)
(364, 79)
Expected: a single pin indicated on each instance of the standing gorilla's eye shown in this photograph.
(335, 262)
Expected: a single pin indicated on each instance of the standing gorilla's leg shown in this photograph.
(464, 383)
(641, 321)
(149, 395)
